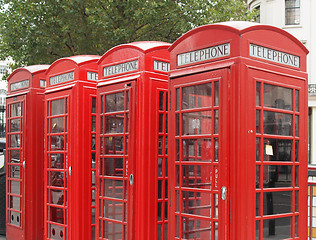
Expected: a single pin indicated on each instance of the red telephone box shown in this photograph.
(69, 148)
(132, 180)
(25, 128)
(238, 134)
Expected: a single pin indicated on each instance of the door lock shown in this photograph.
(224, 193)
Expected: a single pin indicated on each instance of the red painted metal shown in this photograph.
(238, 120)
(25, 127)
(69, 142)
(131, 199)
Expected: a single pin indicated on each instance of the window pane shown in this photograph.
(195, 123)
(15, 125)
(277, 150)
(114, 145)
(277, 176)
(58, 107)
(15, 141)
(113, 167)
(279, 228)
(277, 123)
(197, 150)
(114, 102)
(57, 125)
(114, 124)
(15, 110)
(57, 161)
(196, 176)
(57, 142)
(197, 96)
(277, 97)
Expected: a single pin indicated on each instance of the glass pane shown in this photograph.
(258, 204)
(277, 123)
(57, 142)
(161, 121)
(16, 110)
(197, 96)
(297, 109)
(161, 97)
(114, 145)
(196, 228)
(258, 95)
(113, 188)
(93, 120)
(197, 150)
(113, 167)
(114, 102)
(57, 161)
(112, 230)
(57, 125)
(277, 97)
(113, 209)
(197, 203)
(257, 230)
(196, 123)
(15, 203)
(58, 107)
(15, 156)
(196, 176)
(15, 125)
(277, 202)
(15, 172)
(258, 148)
(277, 150)
(258, 120)
(57, 215)
(279, 228)
(114, 123)
(102, 103)
(296, 125)
(216, 84)
(296, 151)
(15, 141)
(277, 176)
(93, 105)
(57, 179)
(15, 187)
(178, 98)
(258, 173)
(216, 122)
(57, 197)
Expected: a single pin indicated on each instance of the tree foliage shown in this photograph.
(37, 31)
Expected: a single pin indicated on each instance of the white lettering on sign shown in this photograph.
(19, 85)
(62, 78)
(274, 55)
(120, 68)
(92, 76)
(161, 66)
(213, 52)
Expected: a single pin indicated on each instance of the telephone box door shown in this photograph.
(15, 163)
(280, 149)
(57, 170)
(199, 165)
(115, 168)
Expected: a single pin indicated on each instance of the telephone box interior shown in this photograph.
(238, 134)
(132, 163)
(24, 133)
(70, 105)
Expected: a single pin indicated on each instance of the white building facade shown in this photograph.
(298, 18)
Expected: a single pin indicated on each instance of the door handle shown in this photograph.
(224, 193)
(69, 170)
(131, 179)
(23, 164)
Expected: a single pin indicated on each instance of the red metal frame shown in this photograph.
(251, 172)
(69, 134)
(25, 153)
(137, 72)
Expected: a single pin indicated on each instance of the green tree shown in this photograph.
(37, 32)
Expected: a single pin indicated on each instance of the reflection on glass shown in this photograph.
(216, 122)
(112, 230)
(114, 102)
(277, 150)
(57, 160)
(15, 203)
(93, 120)
(297, 101)
(57, 142)
(15, 140)
(296, 151)
(216, 93)
(277, 97)
(258, 95)
(16, 110)
(277, 202)
(195, 123)
(296, 201)
(161, 97)
(57, 179)
(197, 149)
(15, 156)
(15, 172)
(177, 124)
(258, 147)
(258, 121)
(278, 228)
(196, 176)
(197, 96)
(114, 123)
(15, 187)
(194, 228)
(257, 230)
(113, 167)
(277, 123)
(258, 204)
(57, 215)
(93, 105)
(296, 176)
(15, 125)
(201, 201)
(57, 197)
(57, 107)
(178, 98)
(161, 122)
(57, 125)
(114, 145)
(258, 176)
(113, 210)
(276, 176)
(296, 125)
(113, 188)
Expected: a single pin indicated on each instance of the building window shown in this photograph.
(292, 12)
(258, 14)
